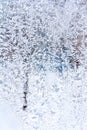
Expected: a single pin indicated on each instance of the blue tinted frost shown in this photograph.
(43, 62)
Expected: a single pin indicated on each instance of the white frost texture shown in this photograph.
(43, 64)
(8, 120)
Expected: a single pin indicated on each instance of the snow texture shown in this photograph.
(43, 62)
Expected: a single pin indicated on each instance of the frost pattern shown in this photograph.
(43, 62)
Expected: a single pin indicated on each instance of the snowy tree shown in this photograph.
(42, 54)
